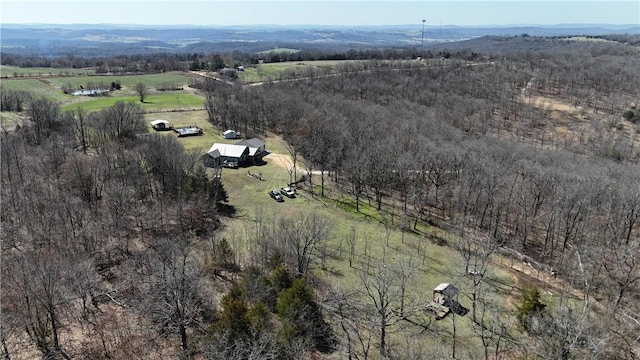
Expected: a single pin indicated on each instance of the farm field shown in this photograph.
(153, 102)
(52, 87)
(273, 71)
(15, 71)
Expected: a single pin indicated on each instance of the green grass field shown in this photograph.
(155, 101)
(128, 82)
(52, 87)
(199, 144)
(272, 71)
(15, 71)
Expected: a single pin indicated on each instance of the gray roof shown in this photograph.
(228, 150)
(253, 142)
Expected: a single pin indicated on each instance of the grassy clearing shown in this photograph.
(376, 243)
(52, 87)
(9, 120)
(272, 71)
(155, 101)
(128, 82)
(584, 38)
(198, 144)
(280, 50)
(15, 71)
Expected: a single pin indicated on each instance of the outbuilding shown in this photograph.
(161, 125)
(231, 134)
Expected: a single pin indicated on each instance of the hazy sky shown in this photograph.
(354, 12)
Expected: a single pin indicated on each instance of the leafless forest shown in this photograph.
(109, 246)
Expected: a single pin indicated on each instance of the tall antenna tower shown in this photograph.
(422, 41)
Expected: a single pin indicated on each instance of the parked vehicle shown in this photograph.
(275, 195)
(288, 192)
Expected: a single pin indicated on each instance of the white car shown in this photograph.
(288, 192)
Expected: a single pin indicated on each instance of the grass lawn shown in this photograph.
(155, 101)
(38, 87)
(272, 71)
(10, 119)
(200, 143)
(128, 82)
(52, 87)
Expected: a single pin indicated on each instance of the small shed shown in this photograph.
(231, 134)
(161, 125)
(445, 289)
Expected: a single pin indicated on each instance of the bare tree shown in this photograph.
(383, 291)
(35, 285)
(300, 239)
(142, 91)
(171, 289)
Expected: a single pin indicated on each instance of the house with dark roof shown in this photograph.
(229, 155)
(257, 148)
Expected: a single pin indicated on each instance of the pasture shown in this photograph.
(153, 102)
(51, 87)
(15, 71)
(274, 71)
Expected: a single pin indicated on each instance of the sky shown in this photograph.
(307, 12)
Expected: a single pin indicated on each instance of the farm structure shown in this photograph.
(94, 92)
(443, 302)
(228, 155)
(188, 131)
(161, 125)
(231, 134)
(257, 148)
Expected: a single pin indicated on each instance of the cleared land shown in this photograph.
(15, 71)
(162, 101)
(274, 71)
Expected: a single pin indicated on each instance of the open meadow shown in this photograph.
(15, 71)
(52, 87)
(275, 70)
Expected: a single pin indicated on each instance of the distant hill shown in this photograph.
(97, 40)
